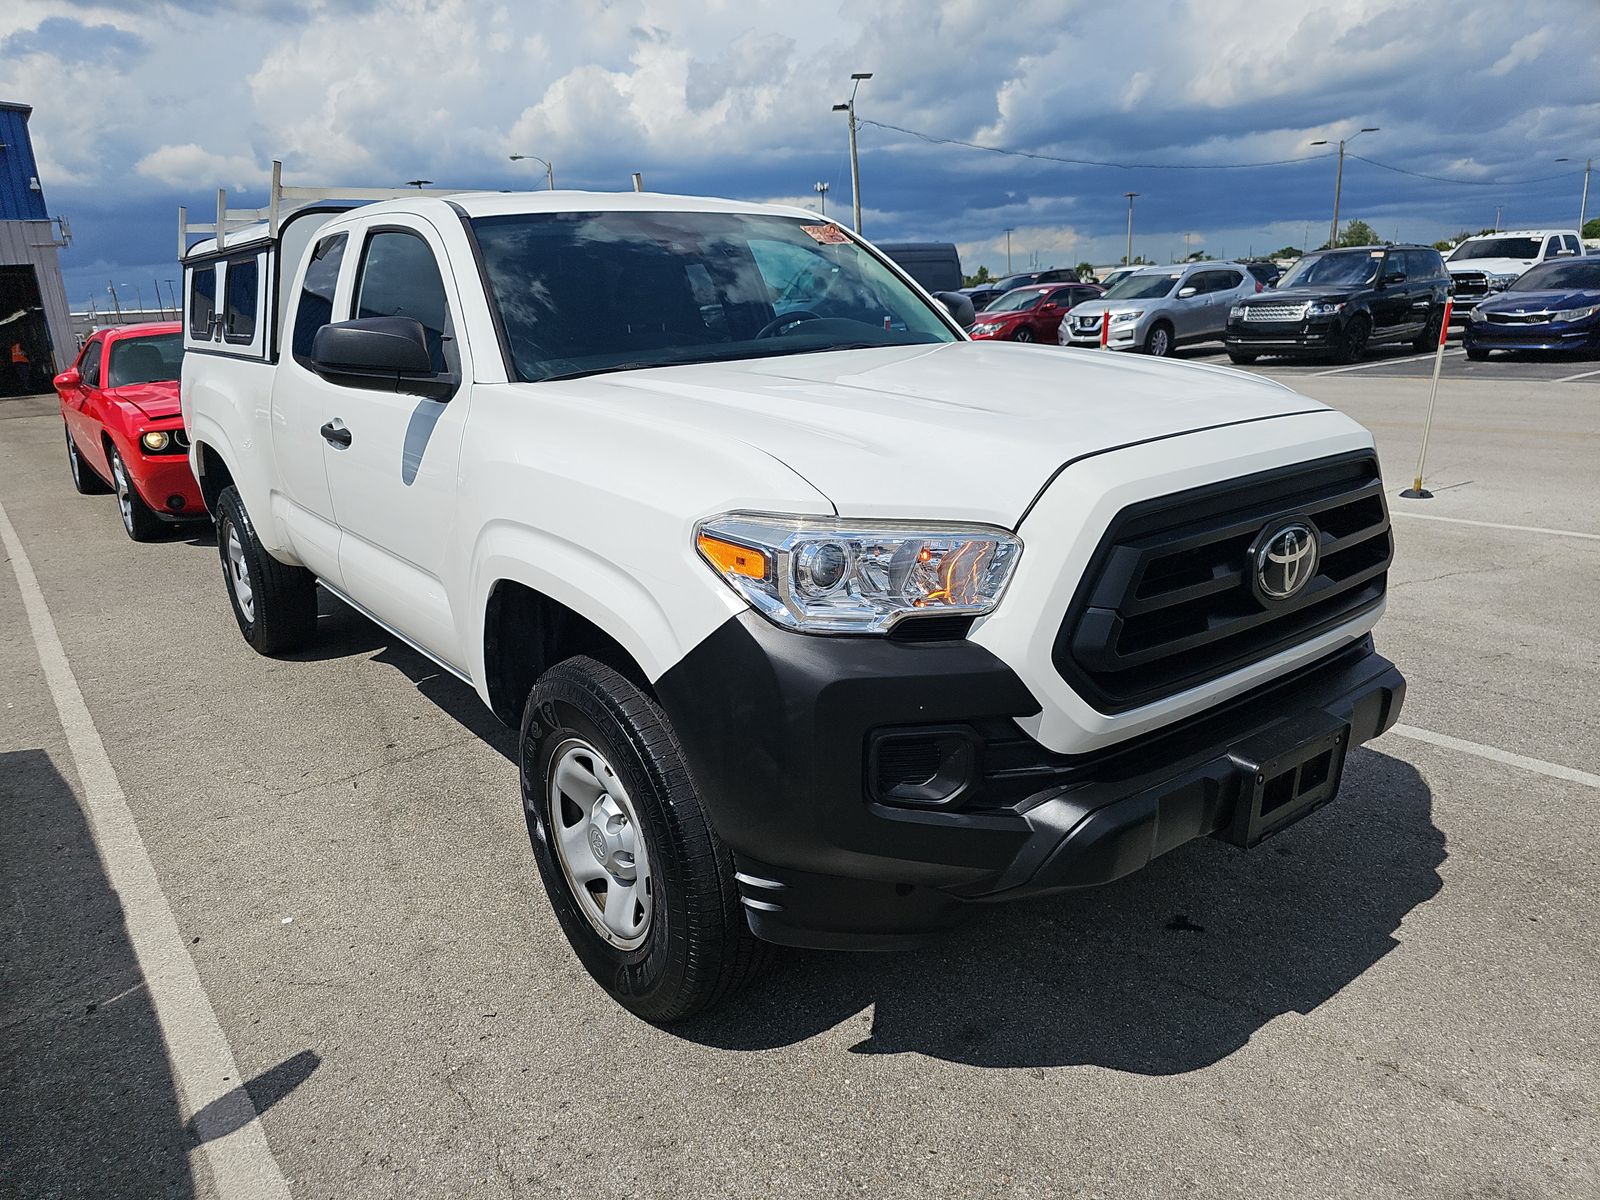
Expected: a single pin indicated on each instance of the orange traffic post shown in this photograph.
(1105, 330)
(1416, 491)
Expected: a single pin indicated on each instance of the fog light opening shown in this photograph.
(926, 767)
(175, 502)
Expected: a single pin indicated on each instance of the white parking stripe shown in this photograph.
(1521, 761)
(1572, 533)
(1387, 362)
(1570, 378)
(225, 1119)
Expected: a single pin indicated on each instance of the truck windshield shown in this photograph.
(1349, 269)
(1497, 247)
(585, 292)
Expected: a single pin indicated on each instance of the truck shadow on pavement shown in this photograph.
(91, 1103)
(1169, 970)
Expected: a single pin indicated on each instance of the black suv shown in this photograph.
(1336, 303)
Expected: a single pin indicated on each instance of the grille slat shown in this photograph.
(1275, 312)
(1168, 601)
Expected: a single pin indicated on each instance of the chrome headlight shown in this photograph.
(156, 440)
(1499, 283)
(1133, 314)
(1319, 308)
(1576, 314)
(1236, 313)
(984, 327)
(825, 576)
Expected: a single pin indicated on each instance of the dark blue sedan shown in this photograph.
(1554, 306)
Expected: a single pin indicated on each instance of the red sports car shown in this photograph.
(1032, 313)
(124, 431)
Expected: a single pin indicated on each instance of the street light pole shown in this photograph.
(1009, 232)
(1127, 259)
(1583, 204)
(549, 171)
(1338, 179)
(821, 189)
(855, 162)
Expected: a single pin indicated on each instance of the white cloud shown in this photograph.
(190, 165)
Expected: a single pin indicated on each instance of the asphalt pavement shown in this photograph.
(1393, 998)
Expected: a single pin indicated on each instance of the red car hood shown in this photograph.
(154, 400)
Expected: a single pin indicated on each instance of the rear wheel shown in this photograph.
(142, 524)
(274, 603)
(642, 886)
(84, 478)
(1353, 342)
(1428, 339)
(1158, 342)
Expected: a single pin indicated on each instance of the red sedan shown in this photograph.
(1032, 313)
(124, 431)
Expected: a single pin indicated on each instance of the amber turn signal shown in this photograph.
(732, 559)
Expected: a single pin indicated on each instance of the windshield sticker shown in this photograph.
(827, 235)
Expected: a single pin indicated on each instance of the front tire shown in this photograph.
(1477, 354)
(1353, 342)
(84, 478)
(275, 604)
(642, 886)
(1428, 339)
(1158, 342)
(1242, 358)
(1023, 335)
(141, 524)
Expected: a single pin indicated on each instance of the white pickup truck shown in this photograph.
(1486, 265)
(822, 623)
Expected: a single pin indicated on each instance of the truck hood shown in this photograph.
(154, 400)
(1491, 266)
(964, 431)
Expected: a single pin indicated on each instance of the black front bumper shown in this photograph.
(1299, 337)
(776, 727)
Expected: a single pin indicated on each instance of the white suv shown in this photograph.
(821, 622)
(1487, 264)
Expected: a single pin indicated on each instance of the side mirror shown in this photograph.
(958, 306)
(1186, 292)
(68, 379)
(381, 354)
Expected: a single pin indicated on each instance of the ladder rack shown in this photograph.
(282, 201)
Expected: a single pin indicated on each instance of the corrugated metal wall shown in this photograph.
(18, 199)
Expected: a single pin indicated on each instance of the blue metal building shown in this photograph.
(36, 338)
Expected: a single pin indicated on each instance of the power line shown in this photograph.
(1467, 182)
(1090, 162)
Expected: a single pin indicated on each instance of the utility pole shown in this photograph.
(177, 312)
(1497, 209)
(1338, 179)
(821, 189)
(1583, 204)
(855, 162)
(1127, 258)
(549, 171)
(139, 294)
(116, 300)
(1009, 232)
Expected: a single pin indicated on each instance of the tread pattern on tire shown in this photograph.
(285, 596)
(703, 867)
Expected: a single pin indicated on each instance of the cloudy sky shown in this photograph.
(140, 106)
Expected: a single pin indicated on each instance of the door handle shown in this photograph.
(336, 434)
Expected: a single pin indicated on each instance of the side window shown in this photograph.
(89, 365)
(315, 308)
(1569, 244)
(399, 278)
(1061, 296)
(202, 301)
(242, 284)
(1225, 281)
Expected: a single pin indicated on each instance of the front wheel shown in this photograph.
(1477, 354)
(1158, 342)
(1428, 339)
(1242, 358)
(142, 524)
(642, 886)
(1023, 335)
(1353, 342)
(275, 604)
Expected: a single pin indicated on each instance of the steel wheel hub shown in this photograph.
(239, 574)
(595, 831)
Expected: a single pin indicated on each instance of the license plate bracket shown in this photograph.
(1286, 771)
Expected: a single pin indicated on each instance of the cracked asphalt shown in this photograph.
(1394, 998)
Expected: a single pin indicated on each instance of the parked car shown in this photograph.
(1266, 274)
(1157, 309)
(1482, 266)
(821, 625)
(1024, 278)
(934, 265)
(1117, 275)
(1555, 306)
(983, 295)
(119, 401)
(1031, 314)
(1337, 303)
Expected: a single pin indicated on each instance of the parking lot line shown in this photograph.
(224, 1118)
(1572, 533)
(1572, 378)
(1494, 754)
(1388, 362)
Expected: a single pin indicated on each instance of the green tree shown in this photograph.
(1358, 233)
(1085, 271)
(1591, 228)
(981, 277)
(1286, 252)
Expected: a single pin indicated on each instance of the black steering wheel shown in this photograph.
(770, 329)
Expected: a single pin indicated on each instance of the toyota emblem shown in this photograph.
(1285, 560)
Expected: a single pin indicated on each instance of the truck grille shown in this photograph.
(1168, 601)
(1470, 283)
(1274, 312)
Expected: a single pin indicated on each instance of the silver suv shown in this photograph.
(1158, 308)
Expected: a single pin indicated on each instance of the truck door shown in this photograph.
(303, 504)
(392, 458)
